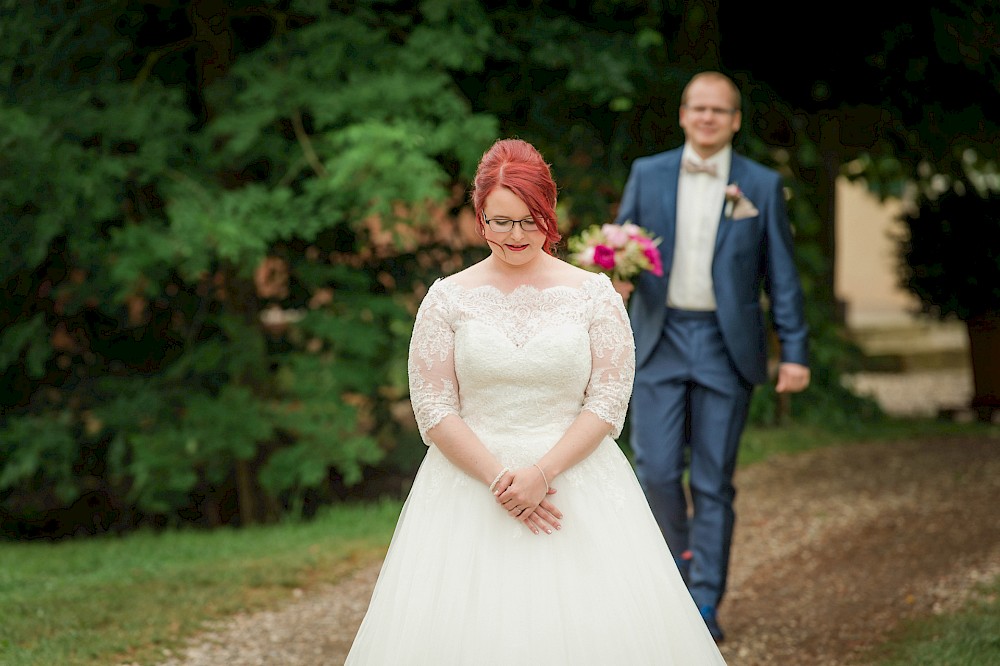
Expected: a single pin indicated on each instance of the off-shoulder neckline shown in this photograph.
(587, 280)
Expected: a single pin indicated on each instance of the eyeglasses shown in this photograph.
(713, 110)
(503, 225)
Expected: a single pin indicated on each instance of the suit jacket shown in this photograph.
(752, 256)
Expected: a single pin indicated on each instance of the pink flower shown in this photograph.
(633, 230)
(586, 256)
(649, 249)
(604, 257)
(620, 251)
(617, 236)
(733, 193)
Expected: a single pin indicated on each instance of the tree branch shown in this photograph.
(307, 147)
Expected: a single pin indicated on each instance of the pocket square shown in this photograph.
(743, 209)
(738, 207)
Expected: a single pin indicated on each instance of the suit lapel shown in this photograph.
(737, 174)
(667, 176)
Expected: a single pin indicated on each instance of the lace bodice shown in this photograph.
(525, 361)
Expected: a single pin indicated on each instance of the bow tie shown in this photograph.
(700, 167)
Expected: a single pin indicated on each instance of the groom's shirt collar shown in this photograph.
(722, 160)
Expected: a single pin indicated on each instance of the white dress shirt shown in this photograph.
(700, 197)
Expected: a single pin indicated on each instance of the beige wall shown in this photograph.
(880, 314)
(865, 273)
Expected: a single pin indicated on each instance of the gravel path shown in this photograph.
(919, 393)
(312, 629)
(832, 549)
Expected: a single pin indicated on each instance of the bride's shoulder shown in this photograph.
(566, 272)
(466, 278)
(577, 277)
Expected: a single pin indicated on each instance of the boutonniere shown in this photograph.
(738, 207)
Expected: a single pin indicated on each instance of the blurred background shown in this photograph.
(218, 219)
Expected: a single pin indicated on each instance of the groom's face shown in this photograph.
(709, 117)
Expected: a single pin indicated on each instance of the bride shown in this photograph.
(526, 538)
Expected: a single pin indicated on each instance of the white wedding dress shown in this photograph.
(463, 583)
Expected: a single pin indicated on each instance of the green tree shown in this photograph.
(199, 245)
(934, 144)
(951, 261)
(219, 217)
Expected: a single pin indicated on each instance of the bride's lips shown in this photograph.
(517, 248)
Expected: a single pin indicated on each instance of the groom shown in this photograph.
(701, 343)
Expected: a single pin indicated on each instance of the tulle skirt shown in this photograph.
(464, 584)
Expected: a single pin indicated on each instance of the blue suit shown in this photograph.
(695, 371)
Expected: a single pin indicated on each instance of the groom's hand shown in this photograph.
(792, 378)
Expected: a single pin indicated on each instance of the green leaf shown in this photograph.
(39, 447)
(31, 334)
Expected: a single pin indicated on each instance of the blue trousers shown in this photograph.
(689, 407)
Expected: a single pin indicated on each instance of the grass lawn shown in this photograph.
(968, 638)
(761, 443)
(121, 600)
(126, 600)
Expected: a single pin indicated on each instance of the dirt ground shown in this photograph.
(833, 549)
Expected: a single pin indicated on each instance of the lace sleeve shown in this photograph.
(612, 351)
(431, 363)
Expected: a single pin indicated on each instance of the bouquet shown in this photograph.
(620, 251)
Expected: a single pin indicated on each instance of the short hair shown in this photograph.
(518, 166)
(715, 76)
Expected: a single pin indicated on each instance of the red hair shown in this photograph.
(518, 166)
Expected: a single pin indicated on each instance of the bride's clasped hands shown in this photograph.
(523, 494)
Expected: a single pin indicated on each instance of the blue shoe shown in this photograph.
(708, 614)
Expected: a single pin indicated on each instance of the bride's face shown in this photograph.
(511, 244)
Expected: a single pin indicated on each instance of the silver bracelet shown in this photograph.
(493, 485)
(543, 477)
